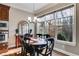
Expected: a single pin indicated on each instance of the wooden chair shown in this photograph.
(26, 47)
(49, 47)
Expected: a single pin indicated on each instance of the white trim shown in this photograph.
(65, 42)
(73, 43)
(65, 52)
(52, 10)
(10, 46)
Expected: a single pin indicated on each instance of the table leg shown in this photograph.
(33, 51)
(37, 53)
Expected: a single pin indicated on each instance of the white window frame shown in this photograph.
(73, 43)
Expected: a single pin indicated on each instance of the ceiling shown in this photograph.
(29, 7)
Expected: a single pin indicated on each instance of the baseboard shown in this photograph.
(65, 52)
(11, 46)
(57, 49)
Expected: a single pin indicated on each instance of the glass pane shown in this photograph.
(52, 16)
(40, 28)
(25, 28)
(52, 28)
(72, 11)
(20, 29)
(58, 14)
(43, 18)
(65, 31)
(67, 12)
(31, 27)
(46, 27)
(48, 17)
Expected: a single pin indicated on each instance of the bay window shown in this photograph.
(60, 25)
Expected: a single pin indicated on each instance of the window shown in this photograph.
(62, 25)
(25, 28)
(58, 15)
(50, 16)
(31, 27)
(66, 12)
(41, 28)
(64, 31)
(42, 19)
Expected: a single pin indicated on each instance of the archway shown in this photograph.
(23, 27)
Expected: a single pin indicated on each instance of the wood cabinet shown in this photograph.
(0, 13)
(4, 16)
(4, 12)
(3, 47)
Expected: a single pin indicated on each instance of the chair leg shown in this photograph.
(51, 53)
(37, 53)
(32, 53)
(22, 51)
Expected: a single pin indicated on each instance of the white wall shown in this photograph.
(15, 16)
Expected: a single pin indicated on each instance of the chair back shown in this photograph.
(24, 41)
(39, 35)
(50, 46)
(45, 36)
(25, 45)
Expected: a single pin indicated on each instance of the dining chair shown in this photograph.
(26, 47)
(49, 47)
(44, 36)
(42, 47)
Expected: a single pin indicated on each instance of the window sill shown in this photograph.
(65, 42)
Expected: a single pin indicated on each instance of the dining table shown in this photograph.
(36, 44)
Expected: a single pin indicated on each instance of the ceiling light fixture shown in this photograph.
(35, 19)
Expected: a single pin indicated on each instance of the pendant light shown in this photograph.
(34, 18)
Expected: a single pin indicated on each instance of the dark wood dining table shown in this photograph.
(39, 42)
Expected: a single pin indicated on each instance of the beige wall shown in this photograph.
(70, 50)
(15, 16)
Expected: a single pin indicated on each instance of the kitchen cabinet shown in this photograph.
(4, 12)
(4, 16)
(3, 47)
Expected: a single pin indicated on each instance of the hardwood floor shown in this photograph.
(17, 51)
